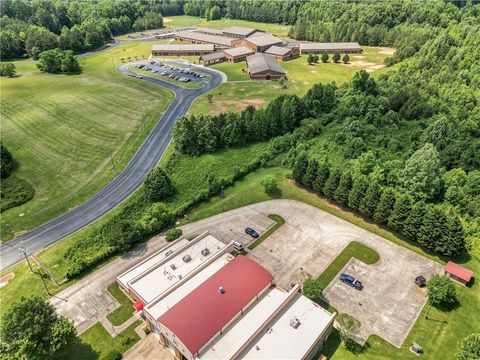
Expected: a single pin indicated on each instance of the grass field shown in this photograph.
(187, 21)
(71, 129)
(239, 91)
(125, 311)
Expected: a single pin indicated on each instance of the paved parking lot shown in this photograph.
(311, 239)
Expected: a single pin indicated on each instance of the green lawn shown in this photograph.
(65, 133)
(96, 342)
(124, 311)
(279, 221)
(239, 91)
(187, 21)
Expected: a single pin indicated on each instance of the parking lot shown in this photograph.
(311, 239)
(174, 70)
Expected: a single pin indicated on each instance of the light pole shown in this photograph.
(431, 302)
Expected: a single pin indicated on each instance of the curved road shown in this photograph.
(122, 186)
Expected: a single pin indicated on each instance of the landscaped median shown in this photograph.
(279, 222)
(125, 311)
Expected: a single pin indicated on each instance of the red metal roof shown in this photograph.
(459, 271)
(138, 305)
(205, 311)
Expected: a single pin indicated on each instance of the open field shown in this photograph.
(187, 21)
(76, 133)
(239, 91)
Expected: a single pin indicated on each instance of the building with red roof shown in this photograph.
(458, 273)
(208, 309)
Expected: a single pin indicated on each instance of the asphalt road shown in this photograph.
(121, 187)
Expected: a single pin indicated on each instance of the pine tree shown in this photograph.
(310, 173)
(434, 225)
(300, 167)
(455, 236)
(401, 209)
(359, 188)
(385, 206)
(332, 183)
(371, 199)
(323, 173)
(344, 187)
(336, 57)
(324, 57)
(411, 226)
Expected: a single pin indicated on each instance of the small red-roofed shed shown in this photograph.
(458, 273)
(201, 315)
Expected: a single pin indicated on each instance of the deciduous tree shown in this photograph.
(158, 185)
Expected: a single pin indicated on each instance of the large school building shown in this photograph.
(203, 303)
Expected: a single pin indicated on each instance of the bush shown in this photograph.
(349, 328)
(158, 185)
(441, 291)
(269, 183)
(113, 355)
(14, 192)
(173, 234)
(468, 348)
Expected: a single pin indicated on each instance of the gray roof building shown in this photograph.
(238, 51)
(264, 40)
(278, 50)
(239, 31)
(206, 38)
(183, 47)
(260, 62)
(309, 47)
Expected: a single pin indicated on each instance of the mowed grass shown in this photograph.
(187, 21)
(72, 134)
(438, 336)
(239, 91)
(125, 311)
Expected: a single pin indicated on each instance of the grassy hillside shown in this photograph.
(240, 91)
(66, 130)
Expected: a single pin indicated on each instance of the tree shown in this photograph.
(269, 183)
(215, 13)
(349, 328)
(336, 57)
(311, 289)
(454, 237)
(315, 59)
(300, 167)
(11, 44)
(362, 82)
(69, 63)
(468, 348)
(32, 330)
(7, 69)
(423, 173)
(310, 59)
(346, 59)
(359, 188)
(441, 291)
(210, 98)
(414, 220)
(344, 187)
(385, 206)
(283, 82)
(7, 164)
(401, 210)
(433, 230)
(158, 185)
(38, 39)
(50, 61)
(372, 196)
(323, 172)
(332, 183)
(324, 57)
(157, 217)
(310, 173)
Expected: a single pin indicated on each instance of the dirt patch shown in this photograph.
(368, 66)
(167, 20)
(386, 51)
(6, 278)
(238, 105)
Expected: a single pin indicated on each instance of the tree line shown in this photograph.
(434, 227)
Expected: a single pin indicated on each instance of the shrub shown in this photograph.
(269, 183)
(349, 328)
(158, 185)
(173, 234)
(14, 192)
(441, 291)
(113, 355)
(468, 348)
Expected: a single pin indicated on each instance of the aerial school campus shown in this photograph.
(218, 188)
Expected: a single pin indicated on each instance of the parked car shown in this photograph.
(350, 280)
(238, 246)
(251, 232)
(420, 281)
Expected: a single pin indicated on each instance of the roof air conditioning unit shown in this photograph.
(294, 323)
(205, 252)
(221, 290)
(187, 258)
(173, 266)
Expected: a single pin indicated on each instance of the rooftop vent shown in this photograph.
(221, 290)
(294, 323)
(205, 252)
(168, 253)
(173, 266)
(187, 258)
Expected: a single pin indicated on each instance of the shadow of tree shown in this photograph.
(79, 350)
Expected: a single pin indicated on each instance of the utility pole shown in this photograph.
(22, 249)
